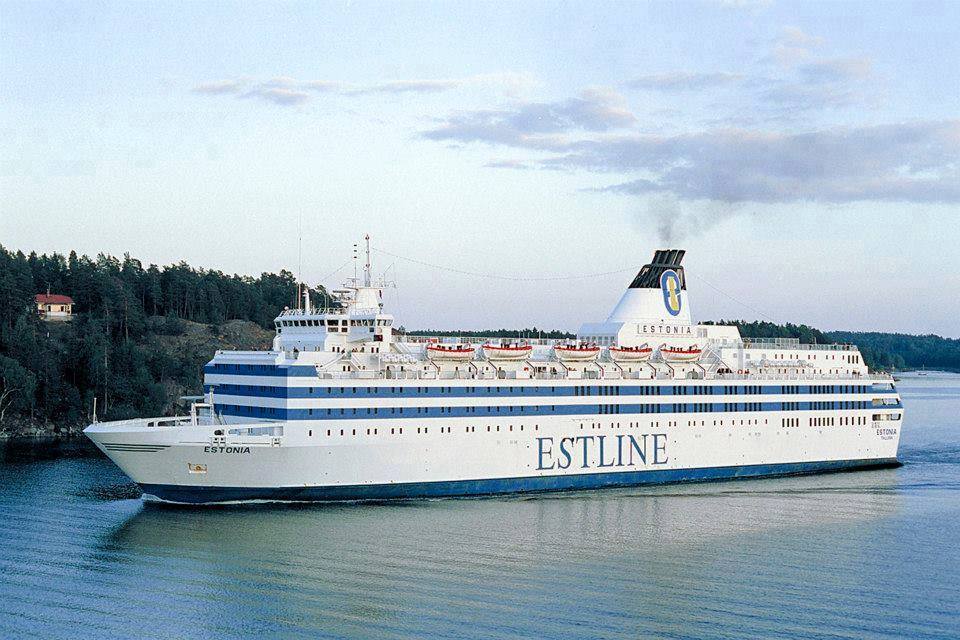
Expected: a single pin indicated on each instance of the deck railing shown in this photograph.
(608, 374)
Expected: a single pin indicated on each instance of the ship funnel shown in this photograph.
(658, 293)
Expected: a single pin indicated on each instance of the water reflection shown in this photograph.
(397, 567)
(29, 449)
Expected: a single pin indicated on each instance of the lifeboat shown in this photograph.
(507, 351)
(631, 354)
(680, 354)
(450, 351)
(577, 352)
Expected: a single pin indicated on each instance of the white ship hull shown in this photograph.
(553, 453)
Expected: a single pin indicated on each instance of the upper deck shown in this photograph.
(768, 359)
(648, 336)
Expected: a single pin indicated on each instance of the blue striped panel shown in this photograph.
(476, 392)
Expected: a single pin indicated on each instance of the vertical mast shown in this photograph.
(299, 257)
(366, 267)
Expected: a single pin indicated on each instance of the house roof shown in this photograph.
(53, 298)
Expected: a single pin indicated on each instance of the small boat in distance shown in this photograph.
(456, 351)
(680, 354)
(577, 351)
(507, 350)
(631, 354)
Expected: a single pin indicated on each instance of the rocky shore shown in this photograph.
(15, 428)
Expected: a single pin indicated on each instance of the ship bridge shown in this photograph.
(356, 319)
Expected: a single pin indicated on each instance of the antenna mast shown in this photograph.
(354, 263)
(366, 267)
(299, 257)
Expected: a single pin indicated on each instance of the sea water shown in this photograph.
(848, 555)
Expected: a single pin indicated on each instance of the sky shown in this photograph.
(807, 155)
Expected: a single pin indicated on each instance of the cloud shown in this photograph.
(285, 90)
(507, 164)
(910, 162)
(683, 81)
(837, 69)
(280, 96)
(794, 46)
(408, 86)
(799, 97)
(219, 87)
(809, 81)
(537, 124)
(325, 86)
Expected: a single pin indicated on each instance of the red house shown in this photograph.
(52, 306)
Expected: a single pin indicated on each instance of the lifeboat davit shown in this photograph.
(508, 351)
(450, 351)
(631, 354)
(680, 354)
(577, 352)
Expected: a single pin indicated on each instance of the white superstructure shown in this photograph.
(343, 409)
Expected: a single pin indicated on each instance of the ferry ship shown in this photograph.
(343, 408)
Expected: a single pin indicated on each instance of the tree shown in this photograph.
(16, 386)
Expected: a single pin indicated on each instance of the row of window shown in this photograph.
(784, 422)
(848, 358)
(420, 430)
(397, 412)
(221, 366)
(335, 323)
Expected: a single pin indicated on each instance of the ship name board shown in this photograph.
(661, 329)
(587, 452)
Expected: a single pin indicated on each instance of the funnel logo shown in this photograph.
(670, 285)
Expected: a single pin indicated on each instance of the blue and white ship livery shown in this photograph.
(341, 408)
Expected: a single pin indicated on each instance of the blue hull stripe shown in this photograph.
(499, 486)
(599, 389)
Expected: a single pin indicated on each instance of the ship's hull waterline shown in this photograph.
(196, 495)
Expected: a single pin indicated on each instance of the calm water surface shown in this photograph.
(853, 555)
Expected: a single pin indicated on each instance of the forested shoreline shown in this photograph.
(141, 334)
(138, 338)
